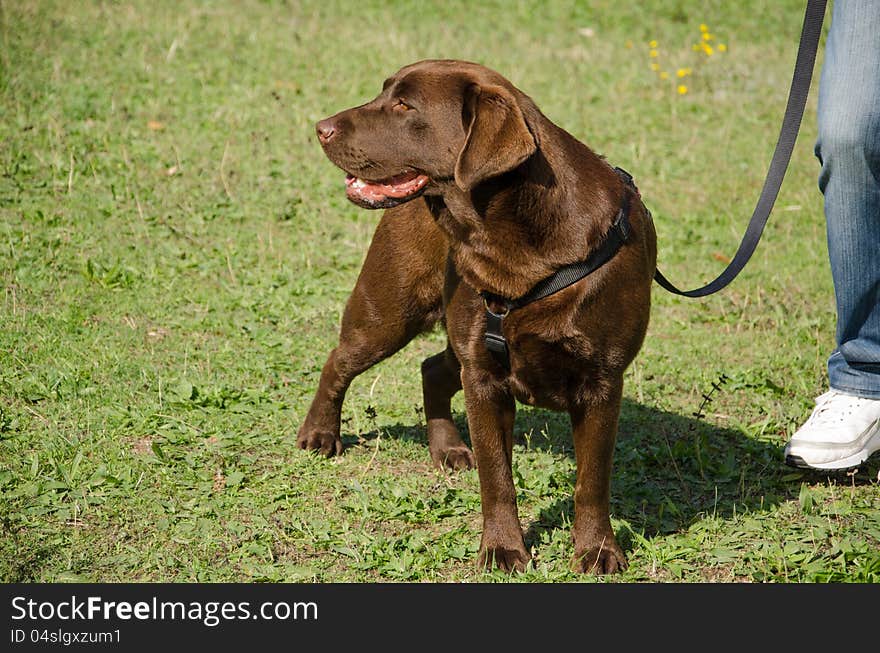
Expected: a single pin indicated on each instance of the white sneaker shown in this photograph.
(842, 432)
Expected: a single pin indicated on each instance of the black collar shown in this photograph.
(497, 307)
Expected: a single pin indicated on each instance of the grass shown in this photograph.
(175, 253)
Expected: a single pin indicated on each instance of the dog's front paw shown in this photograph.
(505, 558)
(327, 443)
(604, 559)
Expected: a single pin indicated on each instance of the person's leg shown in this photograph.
(849, 150)
(845, 427)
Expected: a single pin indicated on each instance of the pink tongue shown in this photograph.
(401, 185)
(398, 186)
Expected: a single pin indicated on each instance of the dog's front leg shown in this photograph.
(396, 297)
(490, 412)
(594, 426)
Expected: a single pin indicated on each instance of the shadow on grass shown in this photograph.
(22, 555)
(669, 470)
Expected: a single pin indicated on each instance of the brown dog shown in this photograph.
(485, 194)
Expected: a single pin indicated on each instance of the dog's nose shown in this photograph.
(326, 129)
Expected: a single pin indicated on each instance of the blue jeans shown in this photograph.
(849, 151)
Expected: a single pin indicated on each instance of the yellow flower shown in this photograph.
(683, 72)
(703, 27)
(707, 36)
(682, 89)
(722, 47)
(652, 44)
(655, 66)
(708, 49)
(664, 75)
(653, 53)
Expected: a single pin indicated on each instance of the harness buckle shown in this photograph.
(496, 343)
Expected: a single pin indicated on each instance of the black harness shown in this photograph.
(498, 307)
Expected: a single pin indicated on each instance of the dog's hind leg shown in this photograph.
(441, 379)
(398, 295)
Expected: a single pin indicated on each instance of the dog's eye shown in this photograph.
(400, 105)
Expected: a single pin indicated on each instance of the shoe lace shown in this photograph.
(834, 407)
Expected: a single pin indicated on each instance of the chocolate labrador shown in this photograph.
(487, 201)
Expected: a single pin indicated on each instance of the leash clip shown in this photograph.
(505, 313)
(493, 335)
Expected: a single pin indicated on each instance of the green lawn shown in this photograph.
(176, 251)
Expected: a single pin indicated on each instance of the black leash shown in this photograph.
(794, 111)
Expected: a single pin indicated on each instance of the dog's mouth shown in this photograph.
(385, 193)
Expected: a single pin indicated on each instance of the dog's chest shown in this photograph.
(545, 371)
(548, 373)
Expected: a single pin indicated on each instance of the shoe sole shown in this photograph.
(835, 465)
(852, 461)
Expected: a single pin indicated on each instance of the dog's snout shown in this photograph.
(326, 129)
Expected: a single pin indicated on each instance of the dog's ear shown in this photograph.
(498, 139)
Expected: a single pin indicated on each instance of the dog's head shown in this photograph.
(435, 123)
